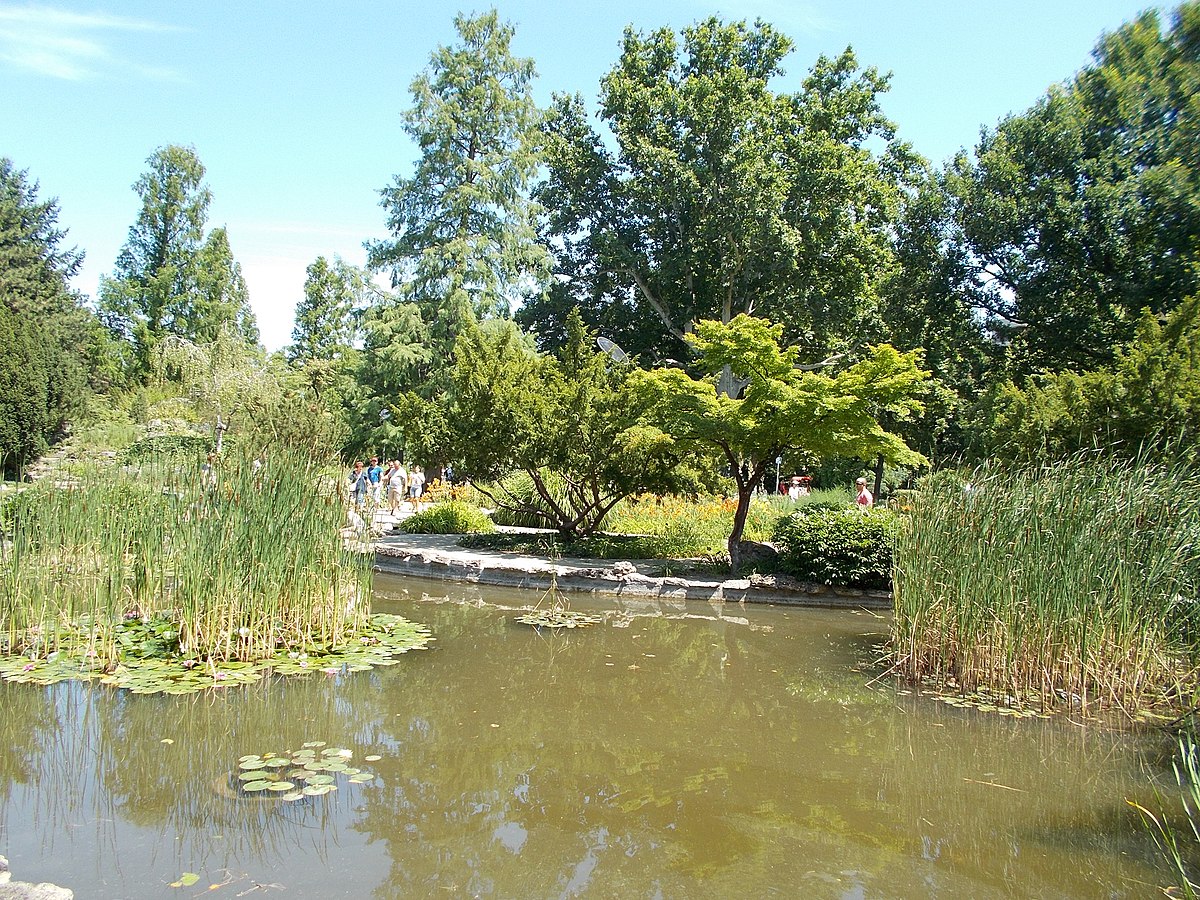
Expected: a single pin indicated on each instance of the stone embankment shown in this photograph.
(21, 890)
(440, 557)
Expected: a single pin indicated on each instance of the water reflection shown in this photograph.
(679, 750)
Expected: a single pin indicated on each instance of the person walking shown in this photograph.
(416, 486)
(359, 484)
(397, 486)
(375, 478)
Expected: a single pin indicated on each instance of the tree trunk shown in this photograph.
(878, 477)
(745, 491)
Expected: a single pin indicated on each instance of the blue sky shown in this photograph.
(294, 107)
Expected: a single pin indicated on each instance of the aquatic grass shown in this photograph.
(1074, 583)
(242, 566)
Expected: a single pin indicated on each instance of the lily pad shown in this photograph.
(257, 785)
(292, 796)
(320, 779)
(373, 758)
(252, 764)
(281, 786)
(316, 790)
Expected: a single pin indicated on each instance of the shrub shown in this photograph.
(844, 547)
(454, 517)
(189, 445)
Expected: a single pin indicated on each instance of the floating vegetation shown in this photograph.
(556, 617)
(161, 577)
(296, 774)
(557, 613)
(382, 639)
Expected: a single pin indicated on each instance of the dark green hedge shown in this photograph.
(845, 547)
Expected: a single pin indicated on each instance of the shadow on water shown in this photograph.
(677, 750)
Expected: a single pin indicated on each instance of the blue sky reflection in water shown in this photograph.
(673, 755)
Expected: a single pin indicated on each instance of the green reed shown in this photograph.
(234, 566)
(1072, 583)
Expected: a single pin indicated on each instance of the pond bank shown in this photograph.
(439, 556)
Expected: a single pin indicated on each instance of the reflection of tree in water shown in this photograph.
(31, 723)
(586, 782)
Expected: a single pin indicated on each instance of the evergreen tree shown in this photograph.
(170, 278)
(464, 245)
(49, 343)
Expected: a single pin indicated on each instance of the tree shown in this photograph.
(572, 422)
(324, 328)
(51, 344)
(1086, 208)
(464, 247)
(924, 305)
(723, 197)
(260, 399)
(169, 279)
(783, 407)
(1148, 398)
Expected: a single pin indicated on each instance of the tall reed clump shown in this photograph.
(232, 565)
(1073, 583)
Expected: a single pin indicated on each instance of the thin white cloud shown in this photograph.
(70, 46)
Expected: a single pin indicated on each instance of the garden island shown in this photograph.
(707, 329)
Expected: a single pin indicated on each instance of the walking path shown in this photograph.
(438, 556)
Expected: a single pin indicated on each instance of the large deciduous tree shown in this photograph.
(170, 277)
(1085, 209)
(722, 196)
(783, 407)
(464, 245)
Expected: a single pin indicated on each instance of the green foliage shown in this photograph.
(170, 279)
(1071, 581)
(188, 446)
(573, 423)
(845, 547)
(264, 402)
(1149, 397)
(452, 517)
(464, 247)
(50, 344)
(781, 407)
(722, 196)
(1082, 211)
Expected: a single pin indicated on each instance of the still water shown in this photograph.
(676, 751)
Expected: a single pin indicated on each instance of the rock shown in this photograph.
(20, 890)
(622, 568)
(755, 553)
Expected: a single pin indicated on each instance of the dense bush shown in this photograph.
(190, 445)
(845, 547)
(454, 517)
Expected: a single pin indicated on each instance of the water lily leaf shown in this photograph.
(252, 775)
(313, 744)
(276, 762)
(373, 758)
(316, 790)
(187, 879)
(257, 785)
(248, 757)
(320, 779)
(252, 764)
(292, 796)
(362, 778)
(281, 786)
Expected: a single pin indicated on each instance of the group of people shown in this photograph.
(370, 482)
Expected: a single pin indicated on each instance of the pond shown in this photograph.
(678, 750)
